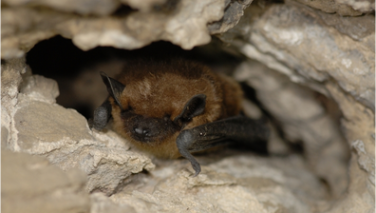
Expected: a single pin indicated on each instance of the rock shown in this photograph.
(32, 184)
(39, 126)
(332, 6)
(279, 39)
(297, 42)
(10, 80)
(359, 128)
(233, 12)
(184, 24)
(85, 7)
(238, 183)
(303, 119)
(365, 6)
(69, 143)
(37, 85)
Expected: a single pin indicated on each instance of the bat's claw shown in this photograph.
(196, 166)
(183, 142)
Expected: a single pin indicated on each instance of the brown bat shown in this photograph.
(176, 107)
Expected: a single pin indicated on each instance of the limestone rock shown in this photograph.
(183, 23)
(359, 128)
(32, 184)
(10, 81)
(69, 143)
(233, 12)
(292, 40)
(36, 125)
(332, 6)
(303, 118)
(332, 55)
(238, 183)
(360, 5)
(84, 7)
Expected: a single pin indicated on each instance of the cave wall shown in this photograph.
(307, 60)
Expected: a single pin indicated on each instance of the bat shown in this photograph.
(176, 107)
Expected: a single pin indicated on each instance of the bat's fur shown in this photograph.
(156, 92)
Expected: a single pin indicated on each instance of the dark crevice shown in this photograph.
(58, 58)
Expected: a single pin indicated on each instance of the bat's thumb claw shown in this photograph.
(196, 166)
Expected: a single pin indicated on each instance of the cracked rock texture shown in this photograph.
(303, 118)
(32, 184)
(255, 184)
(312, 64)
(182, 23)
(333, 56)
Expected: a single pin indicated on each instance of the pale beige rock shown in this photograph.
(282, 37)
(184, 24)
(332, 6)
(68, 142)
(304, 119)
(307, 50)
(10, 81)
(85, 7)
(238, 183)
(33, 123)
(360, 5)
(40, 87)
(234, 10)
(32, 184)
(359, 128)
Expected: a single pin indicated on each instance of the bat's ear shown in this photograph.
(195, 106)
(114, 87)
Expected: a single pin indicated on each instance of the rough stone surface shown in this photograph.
(183, 23)
(359, 127)
(332, 55)
(84, 7)
(360, 5)
(39, 126)
(302, 118)
(69, 143)
(237, 183)
(332, 6)
(10, 80)
(233, 13)
(32, 184)
(281, 37)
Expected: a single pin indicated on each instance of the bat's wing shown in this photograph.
(238, 129)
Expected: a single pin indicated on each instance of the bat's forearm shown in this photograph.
(236, 129)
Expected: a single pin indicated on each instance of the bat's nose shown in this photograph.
(142, 131)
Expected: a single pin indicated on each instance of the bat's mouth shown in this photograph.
(145, 139)
(150, 138)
